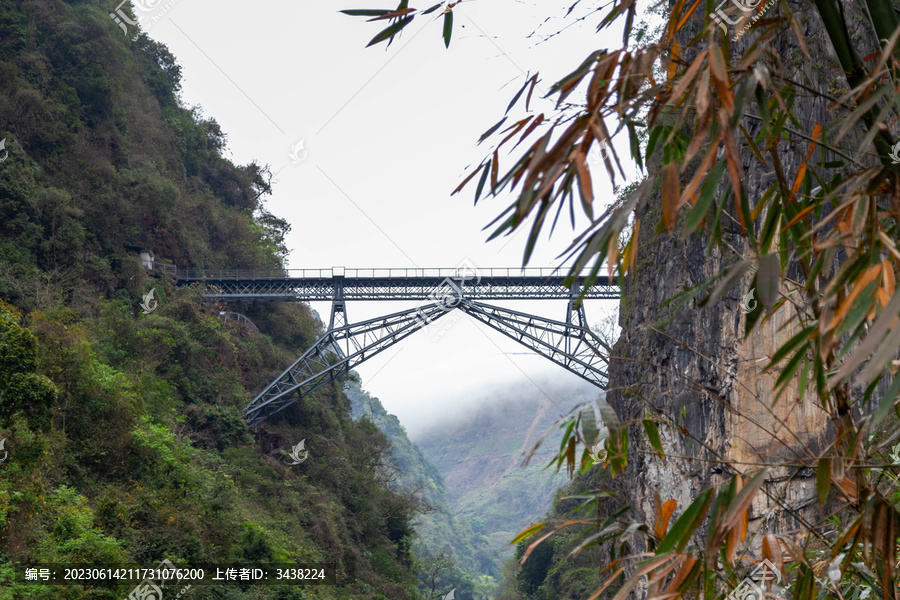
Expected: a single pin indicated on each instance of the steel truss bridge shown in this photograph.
(569, 342)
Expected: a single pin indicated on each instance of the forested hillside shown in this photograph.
(123, 427)
(448, 550)
(551, 572)
(481, 454)
(469, 473)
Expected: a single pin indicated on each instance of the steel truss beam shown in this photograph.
(324, 289)
(570, 344)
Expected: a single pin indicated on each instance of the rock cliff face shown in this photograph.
(695, 366)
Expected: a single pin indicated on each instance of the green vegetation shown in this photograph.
(449, 553)
(124, 430)
(465, 531)
(481, 452)
(549, 572)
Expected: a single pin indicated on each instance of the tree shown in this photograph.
(21, 388)
(477, 523)
(485, 587)
(434, 571)
(702, 107)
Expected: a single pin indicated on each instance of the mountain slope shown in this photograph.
(551, 572)
(480, 457)
(124, 430)
(440, 531)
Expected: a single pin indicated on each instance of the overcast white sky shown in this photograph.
(388, 135)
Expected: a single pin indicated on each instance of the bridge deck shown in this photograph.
(388, 284)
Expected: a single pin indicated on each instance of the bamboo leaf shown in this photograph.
(770, 227)
(589, 426)
(704, 200)
(393, 14)
(876, 333)
(887, 403)
(671, 195)
(490, 131)
(527, 532)
(653, 436)
(518, 94)
(719, 73)
(448, 29)
(365, 12)
(680, 533)
(654, 139)
(823, 480)
(755, 314)
(663, 515)
(390, 31)
(610, 419)
(768, 280)
(741, 503)
(792, 345)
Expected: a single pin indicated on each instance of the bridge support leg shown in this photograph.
(338, 315)
(576, 321)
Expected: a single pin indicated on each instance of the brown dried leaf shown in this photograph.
(702, 98)
(719, 73)
(584, 179)
(771, 550)
(735, 168)
(680, 576)
(848, 487)
(688, 76)
(671, 195)
(663, 515)
(699, 177)
(798, 181)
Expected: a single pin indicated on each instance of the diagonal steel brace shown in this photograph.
(335, 353)
(571, 345)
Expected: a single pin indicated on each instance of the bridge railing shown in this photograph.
(493, 272)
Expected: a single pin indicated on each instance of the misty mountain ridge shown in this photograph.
(481, 456)
(470, 467)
